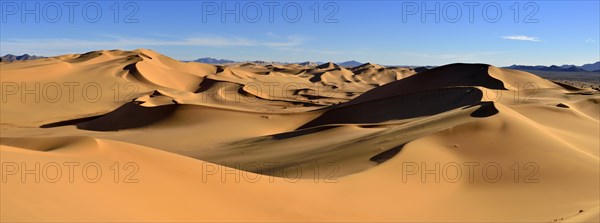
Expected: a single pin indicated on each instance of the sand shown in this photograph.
(117, 135)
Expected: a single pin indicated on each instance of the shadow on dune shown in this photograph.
(386, 155)
(451, 75)
(487, 109)
(135, 73)
(206, 84)
(69, 122)
(566, 86)
(301, 132)
(128, 116)
(85, 57)
(427, 93)
(401, 107)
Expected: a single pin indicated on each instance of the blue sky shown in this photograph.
(385, 32)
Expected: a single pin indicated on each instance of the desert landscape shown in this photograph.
(114, 135)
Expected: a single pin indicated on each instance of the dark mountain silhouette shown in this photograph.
(591, 66)
(562, 68)
(11, 57)
(351, 63)
(210, 60)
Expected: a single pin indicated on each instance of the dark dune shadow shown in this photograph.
(206, 84)
(487, 109)
(566, 86)
(145, 55)
(85, 57)
(452, 75)
(69, 122)
(328, 65)
(135, 73)
(128, 116)
(386, 155)
(317, 76)
(301, 132)
(400, 107)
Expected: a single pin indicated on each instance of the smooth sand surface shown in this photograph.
(137, 136)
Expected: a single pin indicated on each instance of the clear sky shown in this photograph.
(385, 32)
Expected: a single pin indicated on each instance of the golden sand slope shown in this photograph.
(137, 136)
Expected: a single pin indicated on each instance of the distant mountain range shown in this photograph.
(351, 63)
(591, 66)
(11, 58)
(210, 60)
(595, 67)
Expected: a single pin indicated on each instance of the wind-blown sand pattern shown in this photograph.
(247, 142)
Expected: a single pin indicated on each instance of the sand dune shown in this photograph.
(137, 136)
